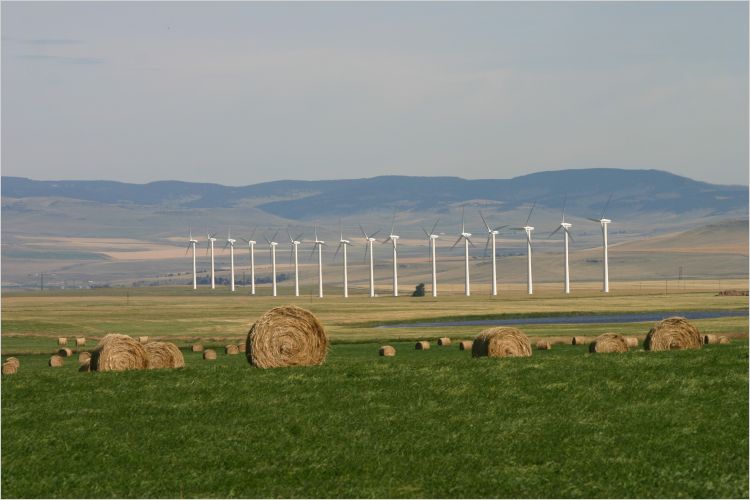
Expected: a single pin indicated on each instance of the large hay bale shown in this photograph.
(84, 357)
(465, 345)
(673, 333)
(116, 352)
(387, 351)
(80, 341)
(62, 341)
(710, 338)
(609, 342)
(444, 341)
(286, 336)
(209, 354)
(197, 347)
(65, 352)
(422, 345)
(164, 355)
(578, 340)
(13, 361)
(725, 340)
(231, 349)
(9, 368)
(242, 347)
(55, 361)
(631, 341)
(543, 345)
(500, 342)
(143, 339)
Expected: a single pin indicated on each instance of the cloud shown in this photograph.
(63, 59)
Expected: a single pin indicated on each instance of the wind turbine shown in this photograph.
(210, 247)
(230, 244)
(604, 222)
(394, 239)
(528, 229)
(565, 226)
(432, 241)
(368, 247)
(251, 247)
(294, 243)
(272, 246)
(467, 241)
(491, 235)
(319, 247)
(343, 244)
(191, 244)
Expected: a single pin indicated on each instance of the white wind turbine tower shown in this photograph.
(343, 244)
(319, 247)
(210, 247)
(432, 241)
(251, 248)
(604, 222)
(272, 246)
(565, 226)
(394, 239)
(230, 244)
(528, 229)
(491, 235)
(467, 241)
(294, 243)
(368, 247)
(191, 244)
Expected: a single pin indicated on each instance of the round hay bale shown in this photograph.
(673, 333)
(9, 368)
(578, 340)
(116, 352)
(286, 336)
(85, 366)
(242, 346)
(710, 338)
(65, 352)
(444, 341)
(143, 339)
(387, 351)
(209, 354)
(231, 349)
(422, 345)
(164, 355)
(62, 341)
(84, 357)
(55, 361)
(724, 340)
(13, 361)
(501, 342)
(543, 345)
(197, 347)
(80, 341)
(631, 341)
(609, 342)
(465, 345)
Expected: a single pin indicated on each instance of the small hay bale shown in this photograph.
(164, 355)
(209, 354)
(673, 333)
(85, 366)
(197, 347)
(465, 345)
(631, 341)
(286, 336)
(444, 341)
(13, 361)
(230, 349)
(242, 347)
(422, 345)
(80, 341)
(62, 341)
(116, 352)
(65, 352)
(725, 340)
(710, 338)
(543, 345)
(387, 351)
(143, 339)
(84, 357)
(578, 340)
(55, 361)
(9, 368)
(501, 342)
(609, 342)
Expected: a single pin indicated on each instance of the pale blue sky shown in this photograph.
(238, 93)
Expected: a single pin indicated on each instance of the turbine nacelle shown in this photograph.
(566, 225)
(466, 235)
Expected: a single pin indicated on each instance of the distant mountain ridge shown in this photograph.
(639, 191)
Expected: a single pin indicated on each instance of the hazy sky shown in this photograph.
(238, 93)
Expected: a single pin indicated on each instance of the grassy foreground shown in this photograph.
(434, 423)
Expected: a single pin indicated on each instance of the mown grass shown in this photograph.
(434, 423)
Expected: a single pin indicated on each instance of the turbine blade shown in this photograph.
(593, 220)
(274, 236)
(267, 240)
(337, 252)
(470, 242)
(298, 237)
(606, 205)
(187, 249)
(363, 231)
(530, 212)
(456, 243)
(570, 235)
(555, 231)
(486, 246)
(393, 224)
(367, 247)
(432, 231)
(565, 201)
(290, 236)
(386, 240)
(253, 233)
(425, 231)
(485, 222)
(498, 228)
(375, 233)
(463, 229)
